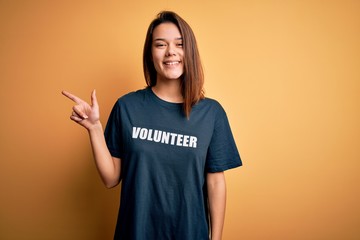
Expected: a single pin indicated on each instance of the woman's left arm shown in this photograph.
(216, 187)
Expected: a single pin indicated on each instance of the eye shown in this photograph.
(160, 45)
(179, 44)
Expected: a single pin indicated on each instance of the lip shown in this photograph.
(171, 63)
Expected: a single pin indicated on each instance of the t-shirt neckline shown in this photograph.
(163, 102)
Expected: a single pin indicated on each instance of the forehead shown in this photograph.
(166, 31)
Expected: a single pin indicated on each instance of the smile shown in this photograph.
(172, 63)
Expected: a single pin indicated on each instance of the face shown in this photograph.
(167, 52)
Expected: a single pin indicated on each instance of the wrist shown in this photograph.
(95, 127)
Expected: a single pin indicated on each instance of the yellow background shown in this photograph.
(287, 73)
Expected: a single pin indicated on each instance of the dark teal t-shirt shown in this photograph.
(165, 157)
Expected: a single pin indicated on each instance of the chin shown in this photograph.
(173, 76)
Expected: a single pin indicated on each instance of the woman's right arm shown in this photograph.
(88, 116)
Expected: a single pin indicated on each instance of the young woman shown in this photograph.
(167, 143)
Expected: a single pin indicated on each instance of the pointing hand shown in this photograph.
(83, 113)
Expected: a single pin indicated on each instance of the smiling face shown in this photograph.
(167, 52)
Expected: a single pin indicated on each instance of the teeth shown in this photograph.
(171, 63)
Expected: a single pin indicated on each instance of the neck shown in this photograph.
(169, 91)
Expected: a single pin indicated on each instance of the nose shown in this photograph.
(170, 51)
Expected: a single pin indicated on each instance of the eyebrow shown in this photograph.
(163, 39)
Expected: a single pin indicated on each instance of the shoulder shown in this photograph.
(210, 105)
(138, 94)
(132, 97)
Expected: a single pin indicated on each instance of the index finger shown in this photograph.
(71, 96)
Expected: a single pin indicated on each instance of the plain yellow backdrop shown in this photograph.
(287, 73)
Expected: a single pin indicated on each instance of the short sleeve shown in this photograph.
(222, 152)
(113, 136)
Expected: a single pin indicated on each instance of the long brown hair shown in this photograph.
(192, 80)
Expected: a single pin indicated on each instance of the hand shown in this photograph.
(84, 114)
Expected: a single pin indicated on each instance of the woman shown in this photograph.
(167, 143)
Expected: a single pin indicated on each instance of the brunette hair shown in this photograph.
(192, 80)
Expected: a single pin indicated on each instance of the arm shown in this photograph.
(108, 166)
(89, 117)
(216, 187)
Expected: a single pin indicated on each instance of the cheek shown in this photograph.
(157, 63)
(156, 55)
(155, 58)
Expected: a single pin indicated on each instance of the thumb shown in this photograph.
(94, 101)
